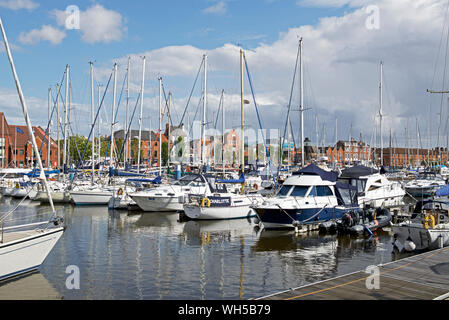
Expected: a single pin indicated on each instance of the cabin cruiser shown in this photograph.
(218, 203)
(309, 197)
(9, 179)
(425, 184)
(373, 187)
(92, 195)
(169, 197)
(122, 199)
(428, 227)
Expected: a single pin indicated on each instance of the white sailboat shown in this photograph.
(23, 248)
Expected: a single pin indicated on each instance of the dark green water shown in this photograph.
(153, 256)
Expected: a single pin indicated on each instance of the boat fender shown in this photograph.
(120, 192)
(429, 221)
(17, 185)
(205, 202)
(255, 186)
(409, 245)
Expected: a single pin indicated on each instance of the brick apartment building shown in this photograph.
(16, 149)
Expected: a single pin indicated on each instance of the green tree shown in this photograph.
(164, 153)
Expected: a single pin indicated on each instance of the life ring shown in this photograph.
(429, 218)
(205, 202)
(255, 186)
(120, 192)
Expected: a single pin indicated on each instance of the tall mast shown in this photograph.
(168, 131)
(27, 118)
(160, 125)
(380, 116)
(242, 124)
(92, 118)
(58, 125)
(222, 130)
(316, 133)
(203, 128)
(98, 127)
(113, 115)
(301, 106)
(49, 129)
(127, 107)
(64, 152)
(141, 112)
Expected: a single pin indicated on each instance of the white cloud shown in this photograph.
(97, 24)
(46, 33)
(218, 8)
(334, 3)
(18, 4)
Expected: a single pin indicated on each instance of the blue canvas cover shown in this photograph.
(442, 192)
(358, 171)
(313, 169)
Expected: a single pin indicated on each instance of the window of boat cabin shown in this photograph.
(299, 191)
(283, 192)
(320, 191)
(360, 184)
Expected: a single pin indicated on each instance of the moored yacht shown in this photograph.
(373, 188)
(169, 197)
(218, 203)
(425, 184)
(309, 197)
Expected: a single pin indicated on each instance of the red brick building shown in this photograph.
(16, 149)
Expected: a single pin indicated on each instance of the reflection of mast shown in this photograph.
(242, 265)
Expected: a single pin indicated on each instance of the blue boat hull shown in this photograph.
(285, 218)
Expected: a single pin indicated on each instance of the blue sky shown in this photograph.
(341, 57)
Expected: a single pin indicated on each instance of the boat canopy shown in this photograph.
(313, 169)
(37, 173)
(157, 180)
(240, 180)
(442, 192)
(346, 194)
(357, 172)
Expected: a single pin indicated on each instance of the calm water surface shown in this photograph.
(124, 255)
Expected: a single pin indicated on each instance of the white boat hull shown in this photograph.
(90, 197)
(27, 254)
(57, 197)
(218, 213)
(159, 204)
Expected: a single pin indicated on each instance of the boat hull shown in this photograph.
(90, 197)
(197, 212)
(424, 239)
(159, 204)
(57, 197)
(273, 218)
(26, 254)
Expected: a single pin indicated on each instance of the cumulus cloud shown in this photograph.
(97, 24)
(46, 33)
(18, 4)
(218, 8)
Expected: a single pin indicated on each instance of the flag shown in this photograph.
(19, 130)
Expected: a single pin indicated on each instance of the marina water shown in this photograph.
(123, 255)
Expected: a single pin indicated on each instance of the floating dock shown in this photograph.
(421, 277)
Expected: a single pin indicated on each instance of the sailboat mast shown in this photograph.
(222, 131)
(92, 117)
(58, 125)
(113, 115)
(64, 152)
(301, 106)
(381, 115)
(126, 116)
(49, 130)
(203, 127)
(141, 114)
(242, 116)
(27, 118)
(160, 125)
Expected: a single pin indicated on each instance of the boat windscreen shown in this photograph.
(283, 192)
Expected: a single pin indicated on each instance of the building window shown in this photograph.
(21, 152)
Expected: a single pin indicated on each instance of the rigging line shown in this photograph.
(191, 92)
(219, 108)
(442, 95)
(93, 125)
(259, 120)
(289, 105)
(191, 126)
(127, 133)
